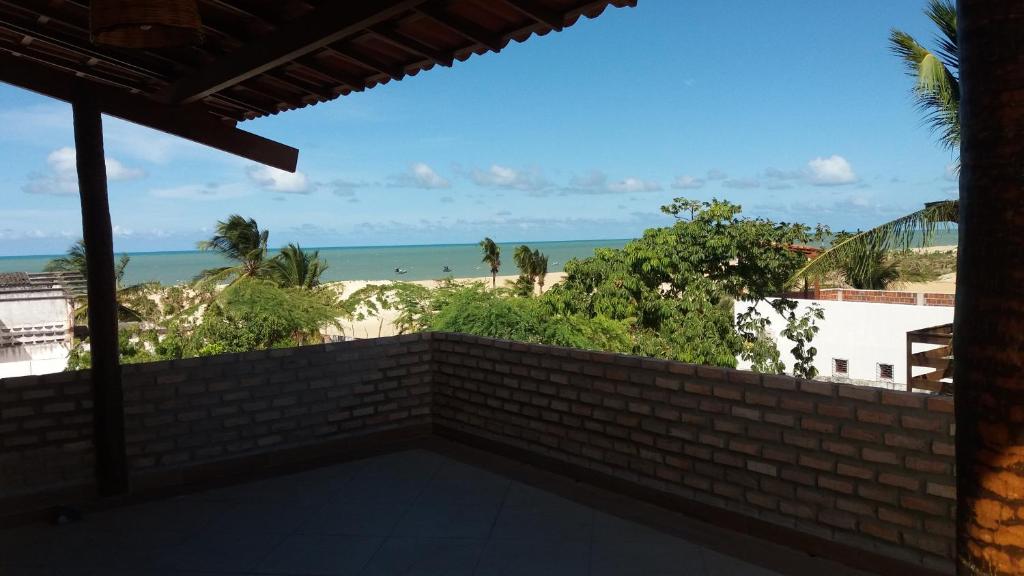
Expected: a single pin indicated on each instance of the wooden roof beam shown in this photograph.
(326, 25)
(393, 36)
(531, 9)
(463, 27)
(191, 124)
(366, 61)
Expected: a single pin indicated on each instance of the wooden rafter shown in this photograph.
(332, 22)
(463, 27)
(539, 13)
(195, 125)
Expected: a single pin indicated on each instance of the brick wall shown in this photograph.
(864, 467)
(940, 299)
(868, 468)
(45, 433)
(876, 296)
(185, 413)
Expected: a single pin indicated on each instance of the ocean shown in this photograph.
(345, 263)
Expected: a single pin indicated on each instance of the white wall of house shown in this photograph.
(862, 333)
(35, 333)
(33, 359)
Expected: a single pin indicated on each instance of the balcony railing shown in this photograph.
(859, 474)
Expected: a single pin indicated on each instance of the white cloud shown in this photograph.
(742, 183)
(596, 182)
(420, 175)
(61, 176)
(201, 192)
(716, 174)
(687, 183)
(279, 180)
(630, 185)
(498, 176)
(832, 171)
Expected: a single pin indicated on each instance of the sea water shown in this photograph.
(346, 263)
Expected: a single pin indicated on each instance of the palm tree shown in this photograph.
(240, 240)
(540, 268)
(937, 92)
(492, 256)
(869, 268)
(74, 262)
(296, 268)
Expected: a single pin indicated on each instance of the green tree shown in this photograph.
(133, 302)
(492, 257)
(296, 268)
(675, 286)
(241, 241)
(937, 93)
(254, 314)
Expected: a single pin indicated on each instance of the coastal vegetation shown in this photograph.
(668, 294)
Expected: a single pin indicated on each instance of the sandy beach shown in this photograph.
(373, 327)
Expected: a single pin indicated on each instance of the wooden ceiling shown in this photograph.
(262, 57)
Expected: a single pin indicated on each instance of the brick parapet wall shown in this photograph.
(184, 413)
(45, 433)
(864, 467)
(872, 469)
(878, 297)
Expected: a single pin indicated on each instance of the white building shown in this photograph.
(36, 324)
(863, 342)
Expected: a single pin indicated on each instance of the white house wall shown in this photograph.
(865, 334)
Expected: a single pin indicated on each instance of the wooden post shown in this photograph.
(988, 338)
(108, 399)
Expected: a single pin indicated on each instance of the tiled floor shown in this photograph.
(408, 513)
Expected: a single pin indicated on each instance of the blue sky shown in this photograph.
(794, 109)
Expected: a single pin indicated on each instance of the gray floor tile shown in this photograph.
(647, 557)
(170, 515)
(610, 529)
(222, 551)
(320, 554)
(441, 520)
(531, 514)
(717, 564)
(425, 557)
(534, 558)
(345, 516)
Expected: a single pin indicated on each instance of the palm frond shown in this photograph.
(897, 234)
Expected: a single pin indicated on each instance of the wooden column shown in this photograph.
(108, 399)
(989, 327)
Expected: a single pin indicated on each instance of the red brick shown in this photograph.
(880, 456)
(862, 393)
(947, 491)
(817, 387)
(924, 504)
(838, 519)
(880, 530)
(804, 405)
(905, 441)
(864, 473)
(818, 425)
(817, 462)
(941, 404)
(835, 411)
(904, 399)
(696, 387)
(943, 448)
(900, 481)
(873, 416)
(835, 484)
(928, 424)
(879, 493)
(778, 382)
(929, 465)
(861, 433)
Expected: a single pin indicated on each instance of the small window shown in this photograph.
(885, 372)
(840, 367)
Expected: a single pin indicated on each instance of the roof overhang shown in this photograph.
(280, 56)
